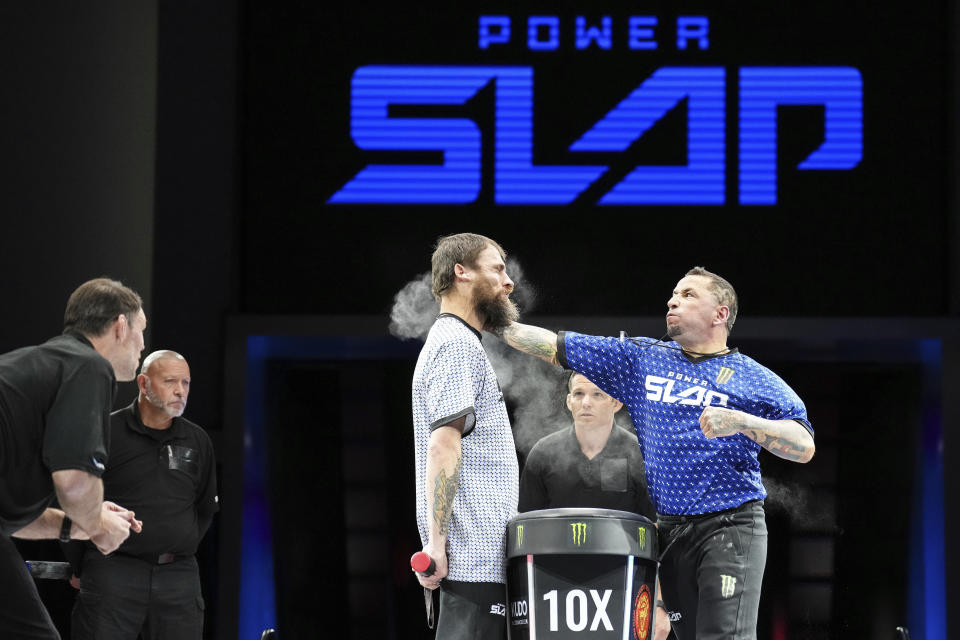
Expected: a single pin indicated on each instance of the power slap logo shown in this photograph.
(377, 90)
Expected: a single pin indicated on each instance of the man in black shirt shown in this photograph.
(593, 463)
(55, 402)
(162, 466)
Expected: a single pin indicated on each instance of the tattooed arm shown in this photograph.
(787, 439)
(443, 480)
(535, 341)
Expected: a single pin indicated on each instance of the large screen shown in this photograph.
(799, 149)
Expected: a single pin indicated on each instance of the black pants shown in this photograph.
(470, 610)
(121, 596)
(22, 614)
(711, 573)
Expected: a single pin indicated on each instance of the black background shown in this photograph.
(832, 228)
(190, 151)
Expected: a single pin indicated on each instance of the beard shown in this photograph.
(497, 310)
(154, 399)
(674, 331)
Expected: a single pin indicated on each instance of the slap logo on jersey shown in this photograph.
(661, 389)
(724, 375)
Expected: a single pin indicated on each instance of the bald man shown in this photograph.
(164, 465)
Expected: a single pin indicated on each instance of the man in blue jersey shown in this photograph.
(702, 412)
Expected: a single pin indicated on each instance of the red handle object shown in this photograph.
(423, 564)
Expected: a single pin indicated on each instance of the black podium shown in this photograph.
(581, 573)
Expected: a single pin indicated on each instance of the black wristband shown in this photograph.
(65, 529)
(661, 605)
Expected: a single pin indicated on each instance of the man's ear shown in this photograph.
(569, 403)
(723, 313)
(142, 383)
(460, 272)
(120, 327)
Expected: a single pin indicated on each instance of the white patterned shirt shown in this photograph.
(454, 379)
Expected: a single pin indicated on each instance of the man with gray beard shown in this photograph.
(164, 464)
(466, 461)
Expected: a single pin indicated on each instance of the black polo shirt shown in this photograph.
(558, 474)
(55, 401)
(167, 477)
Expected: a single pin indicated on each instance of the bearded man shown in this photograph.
(466, 461)
(164, 464)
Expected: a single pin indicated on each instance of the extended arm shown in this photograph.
(443, 481)
(535, 341)
(787, 439)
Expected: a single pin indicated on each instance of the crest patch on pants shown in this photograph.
(727, 585)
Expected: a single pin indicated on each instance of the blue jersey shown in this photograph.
(665, 392)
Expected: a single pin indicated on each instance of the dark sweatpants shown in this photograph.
(470, 610)
(710, 576)
(22, 614)
(121, 595)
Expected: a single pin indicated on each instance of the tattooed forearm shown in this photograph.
(782, 447)
(787, 439)
(535, 341)
(444, 491)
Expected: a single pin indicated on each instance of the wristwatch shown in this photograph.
(65, 529)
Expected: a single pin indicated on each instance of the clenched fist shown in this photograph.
(716, 422)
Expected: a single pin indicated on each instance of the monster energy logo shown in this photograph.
(579, 531)
(724, 375)
(519, 535)
(642, 538)
(727, 585)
